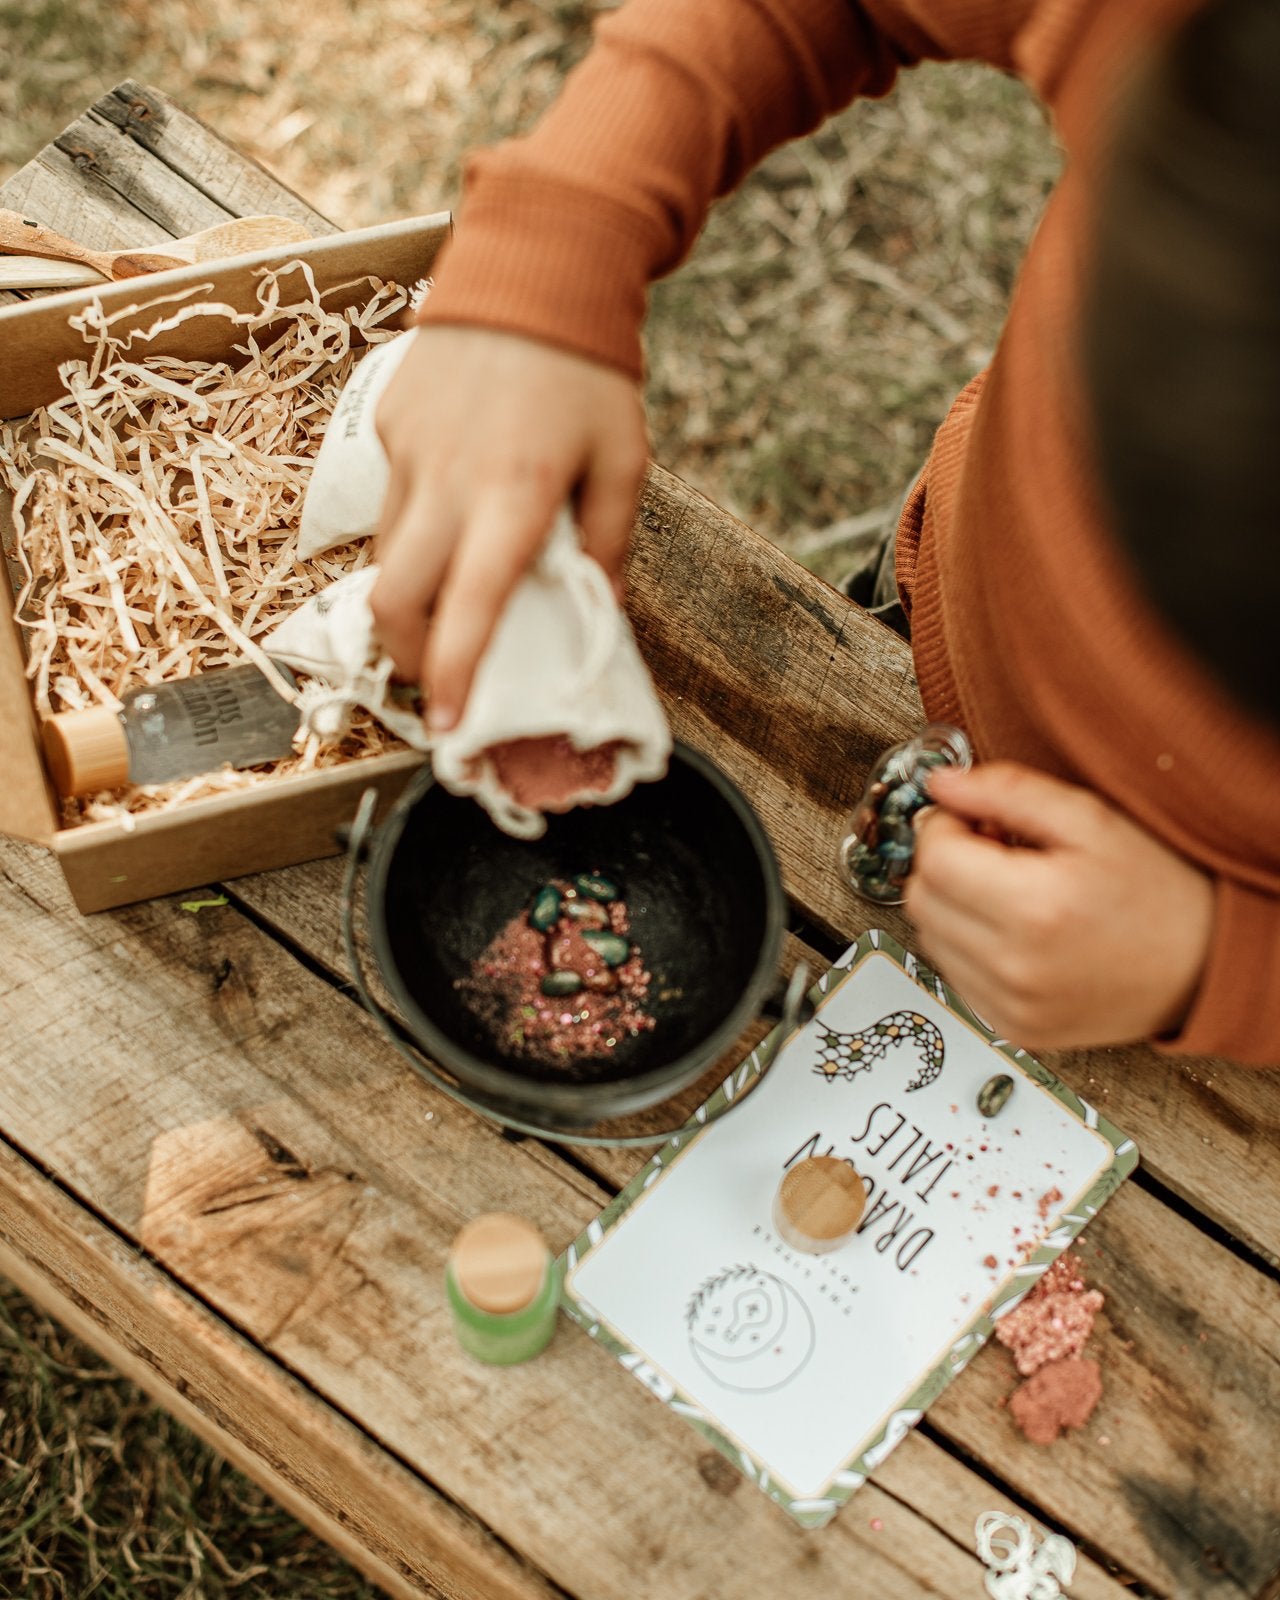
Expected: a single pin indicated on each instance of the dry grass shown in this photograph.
(103, 1495)
(799, 364)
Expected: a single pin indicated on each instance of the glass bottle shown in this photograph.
(503, 1289)
(232, 716)
(876, 856)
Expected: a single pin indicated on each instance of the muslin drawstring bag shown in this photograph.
(562, 711)
(330, 639)
(349, 480)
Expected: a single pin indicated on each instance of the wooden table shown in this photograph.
(214, 1169)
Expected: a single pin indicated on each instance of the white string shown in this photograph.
(1018, 1569)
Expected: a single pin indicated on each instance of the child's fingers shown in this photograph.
(414, 555)
(497, 545)
(607, 502)
(954, 864)
(1020, 801)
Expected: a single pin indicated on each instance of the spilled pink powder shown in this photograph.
(1061, 1395)
(1054, 1320)
(1046, 1334)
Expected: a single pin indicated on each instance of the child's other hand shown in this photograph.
(1087, 931)
(487, 435)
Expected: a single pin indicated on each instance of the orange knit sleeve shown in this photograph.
(1236, 1012)
(561, 232)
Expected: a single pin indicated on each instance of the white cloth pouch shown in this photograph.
(330, 639)
(562, 677)
(349, 480)
(562, 667)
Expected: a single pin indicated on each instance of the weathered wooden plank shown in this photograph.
(135, 168)
(944, 1490)
(54, 190)
(383, 1518)
(201, 157)
(794, 690)
(190, 1081)
(1185, 1492)
(107, 159)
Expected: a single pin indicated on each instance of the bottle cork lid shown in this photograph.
(820, 1202)
(86, 751)
(499, 1262)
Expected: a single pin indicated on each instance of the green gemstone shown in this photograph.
(594, 887)
(994, 1094)
(545, 911)
(561, 983)
(611, 946)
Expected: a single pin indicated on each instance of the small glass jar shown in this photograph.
(876, 857)
(819, 1204)
(503, 1289)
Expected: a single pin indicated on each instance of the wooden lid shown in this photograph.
(822, 1198)
(499, 1262)
(86, 750)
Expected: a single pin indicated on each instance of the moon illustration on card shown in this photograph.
(749, 1330)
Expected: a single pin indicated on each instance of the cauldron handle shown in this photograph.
(796, 1011)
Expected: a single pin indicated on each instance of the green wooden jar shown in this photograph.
(503, 1288)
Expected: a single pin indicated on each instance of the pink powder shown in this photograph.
(1054, 1320)
(548, 774)
(504, 988)
(1062, 1395)
(1047, 1201)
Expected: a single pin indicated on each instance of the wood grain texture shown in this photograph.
(238, 1118)
(136, 167)
(325, 1470)
(229, 179)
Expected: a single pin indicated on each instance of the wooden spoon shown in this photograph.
(20, 236)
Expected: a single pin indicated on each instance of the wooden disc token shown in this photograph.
(819, 1203)
(499, 1262)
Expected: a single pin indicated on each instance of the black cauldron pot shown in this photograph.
(707, 912)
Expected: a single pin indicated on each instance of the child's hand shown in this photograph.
(1089, 931)
(487, 435)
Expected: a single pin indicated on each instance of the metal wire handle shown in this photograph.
(796, 1010)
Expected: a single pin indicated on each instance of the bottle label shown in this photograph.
(212, 707)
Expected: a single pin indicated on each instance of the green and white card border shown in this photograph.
(873, 1450)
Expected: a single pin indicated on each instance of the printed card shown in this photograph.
(806, 1370)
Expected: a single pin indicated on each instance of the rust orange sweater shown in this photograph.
(1027, 627)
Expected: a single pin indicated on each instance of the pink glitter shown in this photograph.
(1055, 1319)
(504, 991)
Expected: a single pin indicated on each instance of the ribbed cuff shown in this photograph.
(553, 262)
(1236, 1011)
